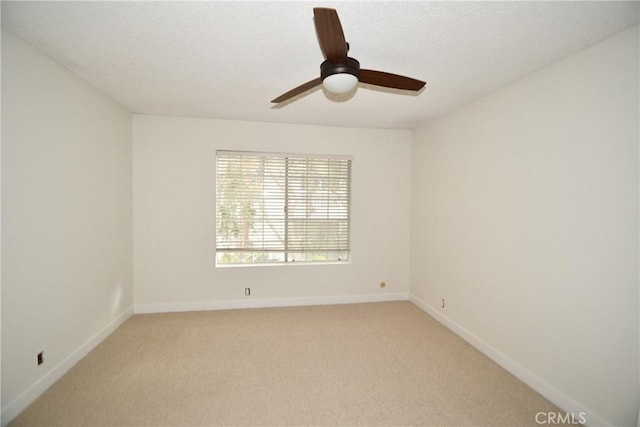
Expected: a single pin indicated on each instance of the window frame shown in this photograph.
(344, 182)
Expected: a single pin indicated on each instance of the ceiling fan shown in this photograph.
(340, 73)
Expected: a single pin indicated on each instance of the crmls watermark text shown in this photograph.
(561, 418)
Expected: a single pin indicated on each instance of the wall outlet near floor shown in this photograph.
(442, 302)
(247, 292)
(40, 358)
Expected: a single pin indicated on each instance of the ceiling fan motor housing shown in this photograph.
(330, 68)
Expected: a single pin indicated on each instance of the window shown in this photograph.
(282, 208)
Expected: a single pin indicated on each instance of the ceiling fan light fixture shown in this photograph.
(340, 83)
(340, 78)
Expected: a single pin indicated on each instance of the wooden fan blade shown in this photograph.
(298, 90)
(330, 35)
(394, 81)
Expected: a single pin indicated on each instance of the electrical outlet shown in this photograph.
(40, 358)
(247, 292)
(442, 302)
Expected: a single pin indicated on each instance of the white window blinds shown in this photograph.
(278, 208)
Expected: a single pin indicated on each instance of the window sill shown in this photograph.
(283, 264)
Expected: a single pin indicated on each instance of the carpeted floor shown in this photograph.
(362, 364)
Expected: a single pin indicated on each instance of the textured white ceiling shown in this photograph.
(229, 59)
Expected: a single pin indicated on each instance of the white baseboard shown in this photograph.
(249, 302)
(14, 408)
(529, 378)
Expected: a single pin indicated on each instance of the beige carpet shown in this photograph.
(361, 364)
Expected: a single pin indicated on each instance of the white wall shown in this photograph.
(66, 220)
(174, 215)
(525, 219)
